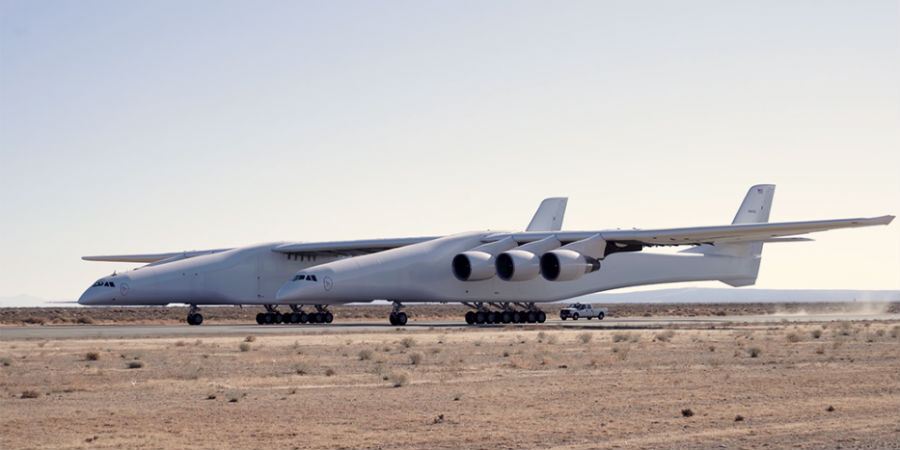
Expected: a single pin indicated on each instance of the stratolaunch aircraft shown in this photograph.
(500, 275)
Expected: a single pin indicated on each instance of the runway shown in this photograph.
(213, 329)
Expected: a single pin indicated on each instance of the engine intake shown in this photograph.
(473, 265)
(567, 265)
(518, 265)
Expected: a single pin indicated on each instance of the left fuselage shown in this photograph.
(422, 272)
(246, 275)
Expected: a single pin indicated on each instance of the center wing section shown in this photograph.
(349, 248)
(772, 232)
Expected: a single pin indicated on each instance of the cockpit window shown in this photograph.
(104, 283)
(304, 277)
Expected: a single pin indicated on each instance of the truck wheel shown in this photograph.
(589, 318)
(575, 316)
(600, 316)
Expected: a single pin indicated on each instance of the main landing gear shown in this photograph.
(194, 318)
(296, 316)
(528, 313)
(397, 316)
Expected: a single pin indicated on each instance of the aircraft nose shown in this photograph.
(292, 292)
(91, 297)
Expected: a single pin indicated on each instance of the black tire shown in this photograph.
(401, 318)
(470, 318)
(393, 319)
(269, 319)
(491, 317)
(562, 317)
(575, 316)
(532, 317)
(304, 317)
(479, 317)
(295, 318)
(260, 318)
(329, 317)
(190, 319)
(600, 316)
(507, 317)
(277, 318)
(195, 319)
(541, 317)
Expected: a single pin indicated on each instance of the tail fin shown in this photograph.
(757, 205)
(754, 209)
(549, 215)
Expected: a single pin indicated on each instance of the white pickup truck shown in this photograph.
(578, 310)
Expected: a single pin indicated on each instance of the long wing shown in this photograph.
(701, 235)
(349, 248)
(152, 257)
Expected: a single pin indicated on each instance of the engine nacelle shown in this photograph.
(566, 265)
(518, 265)
(473, 265)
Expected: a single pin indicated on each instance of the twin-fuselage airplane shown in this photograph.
(501, 276)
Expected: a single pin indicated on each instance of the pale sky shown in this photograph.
(135, 127)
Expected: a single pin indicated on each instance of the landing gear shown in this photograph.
(194, 318)
(296, 316)
(398, 317)
(507, 313)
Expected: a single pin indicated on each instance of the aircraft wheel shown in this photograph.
(532, 317)
(295, 317)
(491, 318)
(393, 319)
(194, 319)
(507, 317)
(303, 317)
(401, 318)
(328, 317)
(516, 317)
(541, 317)
(269, 319)
(479, 317)
(260, 318)
(470, 317)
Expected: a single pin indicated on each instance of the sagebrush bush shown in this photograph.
(399, 379)
(92, 356)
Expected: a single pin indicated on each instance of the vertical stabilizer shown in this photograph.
(549, 215)
(757, 205)
(755, 208)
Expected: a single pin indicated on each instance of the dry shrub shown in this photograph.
(5, 361)
(329, 372)
(245, 347)
(92, 356)
(738, 418)
(30, 394)
(665, 336)
(895, 331)
(365, 355)
(793, 337)
(250, 339)
(135, 365)
(180, 344)
(398, 379)
(407, 342)
(686, 412)
(301, 368)
(552, 339)
(415, 358)
(85, 320)
(620, 337)
(754, 351)
(234, 395)
(585, 337)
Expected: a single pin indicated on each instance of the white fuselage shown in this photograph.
(422, 273)
(246, 275)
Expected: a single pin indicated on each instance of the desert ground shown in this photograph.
(733, 385)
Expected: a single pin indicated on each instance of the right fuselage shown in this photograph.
(246, 275)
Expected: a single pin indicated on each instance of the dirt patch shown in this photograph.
(811, 385)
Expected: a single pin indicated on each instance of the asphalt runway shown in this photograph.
(213, 329)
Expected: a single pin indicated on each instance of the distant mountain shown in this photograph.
(30, 301)
(679, 295)
(731, 295)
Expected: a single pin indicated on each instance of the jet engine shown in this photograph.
(523, 263)
(567, 265)
(478, 263)
(572, 261)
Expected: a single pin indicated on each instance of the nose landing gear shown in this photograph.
(194, 318)
(398, 317)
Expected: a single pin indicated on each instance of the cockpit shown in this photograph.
(104, 283)
(304, 277)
